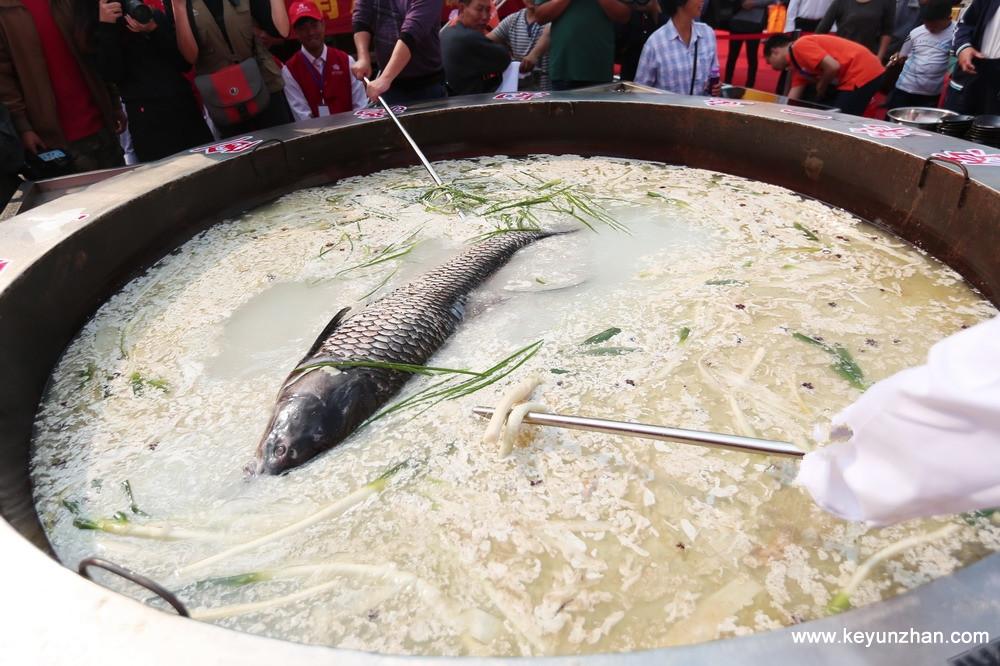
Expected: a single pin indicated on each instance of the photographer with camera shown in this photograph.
(135, 48)
(66, 116)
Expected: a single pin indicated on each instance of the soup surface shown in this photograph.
(698, 300)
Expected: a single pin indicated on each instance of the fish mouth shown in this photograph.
(252, 469)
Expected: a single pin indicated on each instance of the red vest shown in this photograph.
(336, 81)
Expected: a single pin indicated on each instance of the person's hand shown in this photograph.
(965, 60)
(377, 88)
(121, 121)
(32, 142)
(527, 64)
(109, 11)
(362, 68)
(716, 90)
(135, 26)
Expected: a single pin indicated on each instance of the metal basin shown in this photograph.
(64, 258)
(923, 117)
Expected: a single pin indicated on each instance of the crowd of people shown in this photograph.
(906, 48)
(75, 74)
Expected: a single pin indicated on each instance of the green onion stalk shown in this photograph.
(842, 600)
(336, 508)
(120, 525)
(843, 364)
(473, 622)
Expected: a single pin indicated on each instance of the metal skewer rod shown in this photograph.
(413, 144)
(663, 433)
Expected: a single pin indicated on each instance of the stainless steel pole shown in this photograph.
(710, 439)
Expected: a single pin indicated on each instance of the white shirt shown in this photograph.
(923, 442)
(991, 38)
(297, 99)
(926, 60)
(807, 9)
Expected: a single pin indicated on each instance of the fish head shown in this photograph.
(313, 413)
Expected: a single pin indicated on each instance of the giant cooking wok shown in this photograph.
(60, 261)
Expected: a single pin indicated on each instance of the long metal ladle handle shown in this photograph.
(416, 148)
(710, 439)
(409, 139)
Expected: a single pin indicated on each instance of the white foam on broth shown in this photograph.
(577, 542)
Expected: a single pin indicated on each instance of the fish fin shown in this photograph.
(334, 323)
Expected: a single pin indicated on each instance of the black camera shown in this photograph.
(138, 10)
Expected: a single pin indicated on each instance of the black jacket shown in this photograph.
(472, 63)
(971, 28)
(143, 65)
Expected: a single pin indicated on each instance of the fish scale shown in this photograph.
(409, 324)
(316, 410)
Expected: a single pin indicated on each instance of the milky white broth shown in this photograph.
(576, 542)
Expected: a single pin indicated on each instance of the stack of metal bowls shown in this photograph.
(923, 117)
(985, 130)
(957, 125)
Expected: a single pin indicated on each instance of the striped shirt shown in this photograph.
(666, 61)
(520, 37)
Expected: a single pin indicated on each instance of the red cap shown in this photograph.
(301, 9)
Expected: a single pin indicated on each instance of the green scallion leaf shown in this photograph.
(238, 579)
(841, 602)
(806, 232)
(673, 202)
(843, 364)
(609, 351)
(972, 517)
(133, 507)
(603, 336)
(85, 524)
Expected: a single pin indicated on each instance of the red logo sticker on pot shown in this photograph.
(229, 147)
(375, 114)
(721, 101)
(888, 131)
(970, 157)
(806, 114)
(519, 96)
